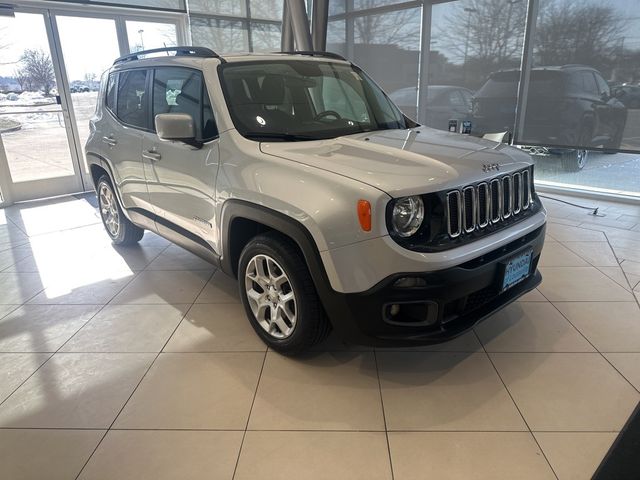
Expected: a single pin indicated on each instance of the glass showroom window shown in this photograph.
(386, 45)
(472, 41)
(237, 25)
(220, 34)
(583, 104)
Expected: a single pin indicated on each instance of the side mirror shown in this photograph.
(618, 93)
(175, 126)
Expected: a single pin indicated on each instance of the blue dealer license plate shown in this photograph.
(517, 269)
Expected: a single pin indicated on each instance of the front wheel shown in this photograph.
(119, 227)
(279, 296)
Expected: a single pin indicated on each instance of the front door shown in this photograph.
(181, 178)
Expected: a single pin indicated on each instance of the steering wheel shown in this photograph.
(327, 113)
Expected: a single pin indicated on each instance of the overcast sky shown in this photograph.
(89, 45)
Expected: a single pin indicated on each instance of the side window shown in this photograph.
(603, 86)
(132, 98)
(110, 95)
(589, 83)
(182, 90)
(455, 99)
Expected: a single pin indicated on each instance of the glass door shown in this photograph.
(144, 35)
(37, 148)
(51, 61)
(89, 46)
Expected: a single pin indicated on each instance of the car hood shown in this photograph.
(405, 162)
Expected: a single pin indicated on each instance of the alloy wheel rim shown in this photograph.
(271, 296)
(582, 158)
(109, 210)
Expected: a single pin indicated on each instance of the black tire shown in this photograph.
(574, 160)
(311, 325)
(124, 232)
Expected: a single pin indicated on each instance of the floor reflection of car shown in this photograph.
(570, 106)
(629, 95)
(444, 103)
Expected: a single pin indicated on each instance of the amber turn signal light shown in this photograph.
(364, 215)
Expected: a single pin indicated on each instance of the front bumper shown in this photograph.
(451, 301)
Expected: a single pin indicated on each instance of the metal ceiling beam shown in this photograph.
(286, 44)
(300, 24)
(319, 22)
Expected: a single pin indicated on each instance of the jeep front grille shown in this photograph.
(475, 207)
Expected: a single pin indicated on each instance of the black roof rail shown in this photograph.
(314, 53)
(183, 51)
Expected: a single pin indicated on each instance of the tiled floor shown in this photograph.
(138, 363)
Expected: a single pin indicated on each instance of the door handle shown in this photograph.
(110, 141)
(151, 155)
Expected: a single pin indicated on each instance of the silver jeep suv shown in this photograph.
(295, 173)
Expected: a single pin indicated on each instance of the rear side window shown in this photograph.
(603, 87)
(584, 82)
(110, 97)
(132, 98)
(182, 90)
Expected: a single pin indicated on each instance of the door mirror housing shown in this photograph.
(175, 126)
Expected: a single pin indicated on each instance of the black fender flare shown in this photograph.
(233, 209)
(332, 301)
(106, 166)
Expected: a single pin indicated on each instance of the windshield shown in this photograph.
(293, 100)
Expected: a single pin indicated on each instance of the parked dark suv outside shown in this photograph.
(568, 106)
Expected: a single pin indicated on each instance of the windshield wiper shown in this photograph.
(285, 137)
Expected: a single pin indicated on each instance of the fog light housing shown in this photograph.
(412, 314)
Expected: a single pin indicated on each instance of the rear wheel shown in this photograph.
(279, 296)
(119, 227)
(574, 160)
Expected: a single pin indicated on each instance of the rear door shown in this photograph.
(124, 125)
(181, 178)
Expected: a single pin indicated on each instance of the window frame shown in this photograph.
(203, 90)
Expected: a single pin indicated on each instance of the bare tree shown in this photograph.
(218, 34)
(578, 32)
(22, 78)
(400, 27)
(38, 67)
(265, 37)
(89, 77)
(489, 31)
(267, 9)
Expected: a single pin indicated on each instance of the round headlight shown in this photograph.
(407, 217)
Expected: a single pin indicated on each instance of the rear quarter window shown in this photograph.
(110, 92)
